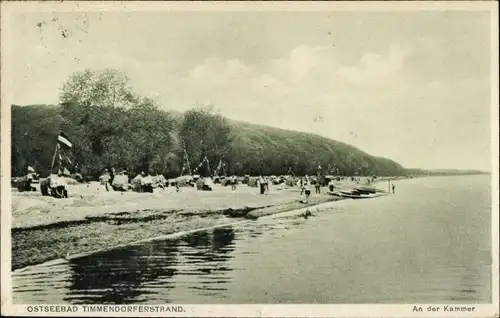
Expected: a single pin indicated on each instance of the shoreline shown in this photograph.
(106, 228)
(41, 243)
(178, 235)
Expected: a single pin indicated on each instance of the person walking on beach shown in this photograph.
(302, 186)
(393, 188)
(317, 186)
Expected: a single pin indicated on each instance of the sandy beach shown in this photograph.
(45, 228)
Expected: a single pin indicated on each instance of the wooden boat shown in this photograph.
(333, 193)
(370, 190)
(365, 190)
(352, 195)
(359, 196)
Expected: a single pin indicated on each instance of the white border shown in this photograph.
(248, 310)
(495, 154)
(265, 311)
(127, 6)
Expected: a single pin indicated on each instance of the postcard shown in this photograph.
(270, 159)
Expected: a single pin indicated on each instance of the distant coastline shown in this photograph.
(443, 172)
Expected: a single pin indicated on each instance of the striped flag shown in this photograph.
(63, 139)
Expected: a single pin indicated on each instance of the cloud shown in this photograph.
(214, 72)
(308, 78)
(375, 70)
(304, 63)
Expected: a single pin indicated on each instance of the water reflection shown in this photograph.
(135, 274)
(119, 276)
(205, 260)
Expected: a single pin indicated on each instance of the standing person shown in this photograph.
(307, 191)
(233, 183)
(111, 178)
(317, 186)
(393, 188)
(302, 186)
(266, 182)
(262, 185)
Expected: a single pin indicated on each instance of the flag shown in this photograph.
(68, 160)
(66, 172)
(219, 167)
(63, 139)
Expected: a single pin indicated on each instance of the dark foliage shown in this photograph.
(143, 138)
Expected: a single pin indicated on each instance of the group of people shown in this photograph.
(304, 183)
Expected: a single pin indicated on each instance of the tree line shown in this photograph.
(112, 126)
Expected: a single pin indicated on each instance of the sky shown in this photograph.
(410, 86)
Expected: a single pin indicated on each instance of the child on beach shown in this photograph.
(393, 188)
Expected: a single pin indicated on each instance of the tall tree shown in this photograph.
(104, 88)
(114, 126)
(151, 133)
(205, 134)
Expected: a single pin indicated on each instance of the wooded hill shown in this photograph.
(147, 139)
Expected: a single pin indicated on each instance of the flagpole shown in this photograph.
(187, 160)
(54, 157)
